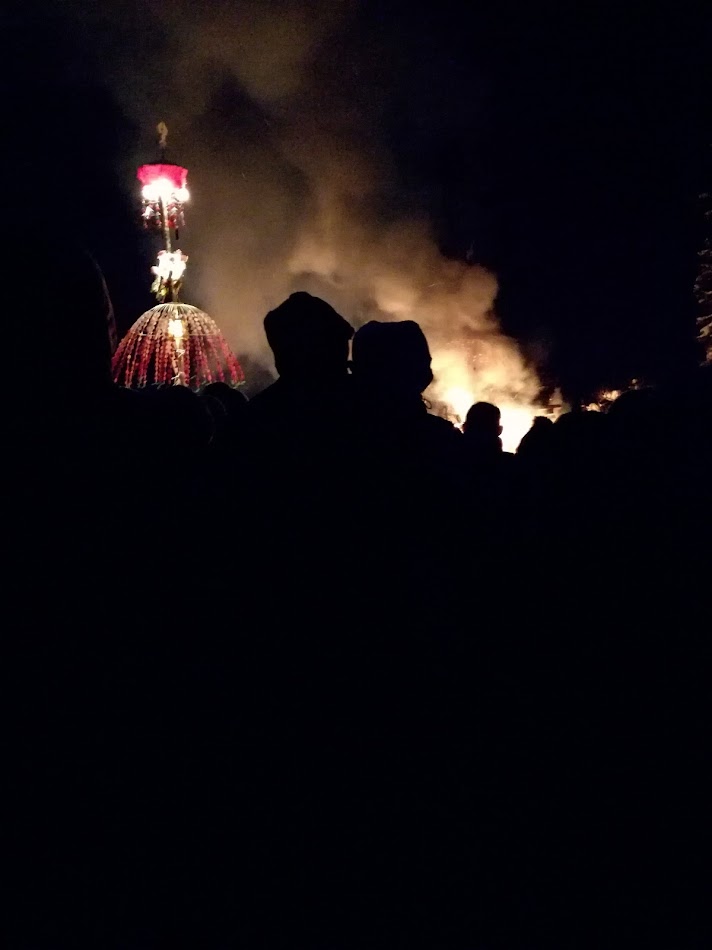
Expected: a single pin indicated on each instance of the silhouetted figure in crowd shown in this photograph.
(228, 410)
(68, 420)
(407, 463)
(639, 427)
(66, 327)
(299, 428)
(489, 471)
(71, 458)
(482, 431)
(578, 449)
(297, 464)
(536, 443)
(536, 463)
(310, 344)
(352, 652)
(392, 369)
(232, 401)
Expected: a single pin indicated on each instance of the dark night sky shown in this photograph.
(563, 147)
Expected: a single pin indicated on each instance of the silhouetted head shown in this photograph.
(537, 443)
(308, 338)
(634, 407)
(636, 418)
(231, 399)
(483, 419)
(392, 359)
(579, 436)
(181, 420)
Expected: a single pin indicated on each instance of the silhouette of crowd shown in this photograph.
(317, 669)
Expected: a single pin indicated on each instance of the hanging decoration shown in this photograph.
(177, 344)
(168, 274)
(164, 195)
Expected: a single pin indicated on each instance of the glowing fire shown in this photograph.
(516, 419)
(486, 370)
(516, 422)
(605, 398)
(459, 401)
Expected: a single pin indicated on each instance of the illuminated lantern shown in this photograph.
(164, 194)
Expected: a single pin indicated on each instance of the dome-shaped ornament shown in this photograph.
(175, 344)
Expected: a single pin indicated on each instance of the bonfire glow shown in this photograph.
(485, 371)
(516, 419)
(605, 398)
(459, 400)
(516, 422)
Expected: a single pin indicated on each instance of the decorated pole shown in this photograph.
(164, 194)
(172, 343)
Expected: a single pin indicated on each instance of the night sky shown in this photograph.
(564, 148)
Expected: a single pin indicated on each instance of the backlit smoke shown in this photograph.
(280, 110)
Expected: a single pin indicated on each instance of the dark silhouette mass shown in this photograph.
(320, 670)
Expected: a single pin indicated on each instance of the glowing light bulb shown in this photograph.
(175, 328)
(164, 188)
(160, 189)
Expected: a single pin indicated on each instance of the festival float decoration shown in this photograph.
(173, 343)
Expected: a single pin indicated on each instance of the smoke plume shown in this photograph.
(281, 112)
